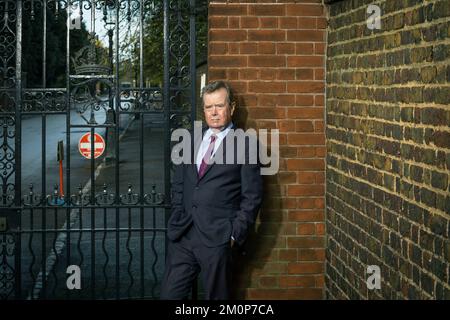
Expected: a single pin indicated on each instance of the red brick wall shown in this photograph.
(272, 53)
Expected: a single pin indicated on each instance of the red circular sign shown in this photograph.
(84, 145)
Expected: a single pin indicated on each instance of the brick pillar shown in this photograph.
(273, 56)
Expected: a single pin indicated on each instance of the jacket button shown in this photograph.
(196, 188)
(194, 207)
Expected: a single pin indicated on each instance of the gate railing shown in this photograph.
(108, 232)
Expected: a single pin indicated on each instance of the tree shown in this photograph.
(32, 41)
(154, 41)
(32, 58)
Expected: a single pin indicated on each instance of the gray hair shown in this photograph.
(217, 85)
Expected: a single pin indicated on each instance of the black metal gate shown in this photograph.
(102, 219)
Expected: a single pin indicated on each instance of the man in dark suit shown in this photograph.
(214, 205)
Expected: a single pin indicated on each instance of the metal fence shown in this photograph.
(106, 215)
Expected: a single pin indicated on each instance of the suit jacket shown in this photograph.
(224, 202)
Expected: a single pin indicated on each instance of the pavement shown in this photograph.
(123, 257)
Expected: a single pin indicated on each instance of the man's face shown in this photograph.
(217, 110)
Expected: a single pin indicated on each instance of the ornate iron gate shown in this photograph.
(107, 215)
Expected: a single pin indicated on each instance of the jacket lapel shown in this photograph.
(221, 149)
(196, 142)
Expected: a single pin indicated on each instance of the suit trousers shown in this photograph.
(187, 258)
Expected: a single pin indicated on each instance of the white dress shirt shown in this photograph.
(206, 141)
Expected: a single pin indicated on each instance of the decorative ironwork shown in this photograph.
(57, 6)
(179, 55)
(90, 104)
(86, 59)
(7, 46)
(54, 199)
(32, 199)
(180, 121)
(154, 197)
(130, 198)
(7, 101)
(105, 198)
(81, 198)
(145, 100)
(101, 228)
(7, 274)
(85, 93)
(7, 160)
(8, 20)
(32, 6)
(44, 100)
(101, 199)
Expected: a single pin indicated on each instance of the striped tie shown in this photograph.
(207, 156)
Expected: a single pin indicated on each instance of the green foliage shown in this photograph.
(154, 47)
(32, 42)
(154, 44)
(32, 56)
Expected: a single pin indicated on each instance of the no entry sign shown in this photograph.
(84, 145)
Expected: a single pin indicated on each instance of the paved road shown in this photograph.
(32, 146)
(135, 258)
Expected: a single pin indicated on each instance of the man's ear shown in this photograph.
(233, 107)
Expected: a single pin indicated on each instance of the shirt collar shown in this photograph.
(220, 135)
